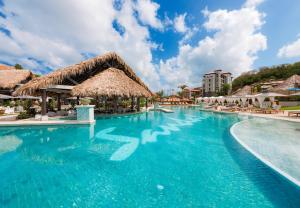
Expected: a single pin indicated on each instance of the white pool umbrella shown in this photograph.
(271, 95)
(244, 100)
(220, 99)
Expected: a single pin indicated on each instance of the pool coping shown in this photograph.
(267, 116)
(43, 123)
(261, 158)
(54, 122)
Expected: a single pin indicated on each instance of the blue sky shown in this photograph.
(167, 43)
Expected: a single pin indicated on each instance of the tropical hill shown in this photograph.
(280, 72)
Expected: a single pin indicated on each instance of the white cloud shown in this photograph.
(179, 23)
(233, 47)
(253, 3)
(58, 32)
(291, 50)
(148, 13)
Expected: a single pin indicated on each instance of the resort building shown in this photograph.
(195, 92)
(214, 81)
(11, 79)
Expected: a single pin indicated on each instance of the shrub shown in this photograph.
(85, 101)
(24, 115)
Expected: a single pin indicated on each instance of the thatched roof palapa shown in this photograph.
(9, 79)
(5, 67)
(79, 73)
(110, 82)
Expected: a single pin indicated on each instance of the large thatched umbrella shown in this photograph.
(78, 73)
(87, 75)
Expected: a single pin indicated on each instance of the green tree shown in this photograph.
(225, 89)
(18, 66)
(279, 72)
(160, 93)
(182, 87)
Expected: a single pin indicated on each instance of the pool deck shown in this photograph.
(43, 123)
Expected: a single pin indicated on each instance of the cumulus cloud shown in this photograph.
(252, 3)
(233, 47)
(291, 50)
(57, 33)
(147, 11)
(179, 23)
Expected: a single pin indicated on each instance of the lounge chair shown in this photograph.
(276, 108)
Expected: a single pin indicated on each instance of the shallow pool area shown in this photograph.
(275, 142)
(183, 159)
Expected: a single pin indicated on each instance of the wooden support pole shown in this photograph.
(146, 103)
(58, 102)
(132, 103)
(105, 103)
(97, 101)
(77, 100)
(138, 104)
(115, 104)
(44, 102)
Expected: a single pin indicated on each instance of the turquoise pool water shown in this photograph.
(183, 159)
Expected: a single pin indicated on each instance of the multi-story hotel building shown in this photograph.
(214, 81)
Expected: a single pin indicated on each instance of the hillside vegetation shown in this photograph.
(266, 73)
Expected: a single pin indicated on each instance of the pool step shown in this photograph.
(165, 110)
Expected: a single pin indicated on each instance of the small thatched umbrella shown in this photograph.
(111, 82)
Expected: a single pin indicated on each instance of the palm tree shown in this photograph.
(182, 87)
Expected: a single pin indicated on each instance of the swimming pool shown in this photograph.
(184, 159)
